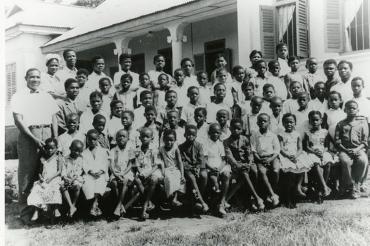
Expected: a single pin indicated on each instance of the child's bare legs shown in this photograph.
(319, 173)
(95, 211)
(150, 191)
(72, 208)
(76, 193)
(122, 189)
(300, 178)
(250, 186)
(175, 202)
(35, 215)
(203, 179)
(275, 174)
(190, 177)
(263, 171)
(225, 179)
(214, 183)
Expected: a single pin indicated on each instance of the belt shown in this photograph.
(39, 126)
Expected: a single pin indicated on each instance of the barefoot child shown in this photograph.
(218, 169)
(316, 143)
(95, 165)
(266, 148)
(172, 167)
(121, 173)
(45, 193)
(195, 172)
(72, 172)
(240, 157)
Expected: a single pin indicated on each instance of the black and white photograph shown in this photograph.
(185, 122)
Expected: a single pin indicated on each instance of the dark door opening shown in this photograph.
(167, 53)
(211, 50)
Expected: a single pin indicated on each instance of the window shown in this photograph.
(11, 84)
(357, 24)
(286, 22)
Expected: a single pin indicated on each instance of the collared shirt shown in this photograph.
(121, 158)
(352, 134)
(214, 152)
(345, 90)
(238, 150)
(96, 160)
(187, 113)
(135, 79)
(265, 144)
(66, 73)
(65, 140)
(192, 155)
(93, 81)
(87, 118)
(66, 107)
(145, 162)
(36, 108)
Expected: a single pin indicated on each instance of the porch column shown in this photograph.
(176, 35)
(317, 35)
(121, 46)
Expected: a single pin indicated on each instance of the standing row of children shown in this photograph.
(278, 137)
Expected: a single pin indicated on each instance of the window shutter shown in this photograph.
(333, 26)
(267, 23)
(10, 81)
(199, 63)
(302, 31)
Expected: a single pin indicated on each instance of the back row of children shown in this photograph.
(221, 131)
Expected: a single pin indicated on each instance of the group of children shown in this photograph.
(258, 134)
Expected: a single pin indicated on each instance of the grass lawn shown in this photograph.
(342, 222)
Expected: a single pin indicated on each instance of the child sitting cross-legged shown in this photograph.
(240, 157)
(218, 169)
(192, 153)
(72, 172)
(45, 193)
(266, 148)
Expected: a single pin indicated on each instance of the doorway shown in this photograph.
(167, 53)
(211, 50)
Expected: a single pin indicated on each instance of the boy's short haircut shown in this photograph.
(220, 70)
(150, 108)
(292, 58)
(126, 76)
(129, 112)
(51, 140)
(259, 62)
(275, 99)
(295, 82)
(124, 56)
(220, 55)
(164, 74)
(247, 84)
(329, 62)
(358, 78)
(186, 59)
(256, 99)
(319, 83)
(98, 117)
(105, 78)
(156, 57)
(236, 69)
(314, 112)
(91, 131)
(267, 86)
(213, 125)
(76, 141)
(235, 121)
(349, 102)
(222, 111)
(253, 53)
(72, 116)
(169, 92)
(346, 62)
(171, 112)
(303, 93)
(169, 132)
(190, 127)
(200, 74)
(144, 93)
(95, 58)
(177, 70)
(68, 82)
(83, 71)
(192, 88)
(200, 110)
(280, 45)
(272, 63)
(66, 51)
(309, 60)
(263, 114)
(120, 130)
(143, 129)
(113, 103)
(335, 93)
(141, 76)
(218, 85)
(31, 70)
(285, 116)
(96, 94)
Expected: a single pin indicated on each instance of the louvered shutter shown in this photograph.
(267, 24)
(11, 85)
(333, 26)
(199, 63)
(302, 30)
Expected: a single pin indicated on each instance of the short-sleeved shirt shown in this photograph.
(65, 140)
(36, 108)
(192, 155)
(352, 134)
(187, 113)
(52, 83)
(120, 163)
(135, 79)
(145, 162)
(214, 152)
(237, 149)
(265, 144)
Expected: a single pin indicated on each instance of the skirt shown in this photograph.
(43, 193)
(326, 158)
(172, 181)
(303, 164)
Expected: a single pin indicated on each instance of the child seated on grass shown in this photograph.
(218, 169)
(172, 167)
(45, 193)
(120, 167)
(72, 175)
(239, 156)
(192, 153)
(95, 165)
(351, 139)
(266, 149)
